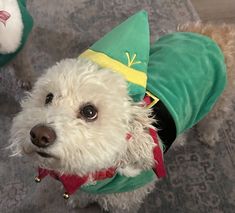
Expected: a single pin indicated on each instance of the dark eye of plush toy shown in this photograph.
(89, 112)
(49, 98)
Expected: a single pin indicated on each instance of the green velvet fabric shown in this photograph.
(28, 24)
(187, 73)
(132, 37)
(119, 183)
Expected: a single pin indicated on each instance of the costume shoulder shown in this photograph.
(187, 72)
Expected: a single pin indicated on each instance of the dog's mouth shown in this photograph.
(41, 153)
(44, 154)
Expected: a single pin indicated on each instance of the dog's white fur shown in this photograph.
(82, 147)
(11, 33)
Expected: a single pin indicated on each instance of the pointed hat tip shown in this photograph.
(141, 13)
(125, 49)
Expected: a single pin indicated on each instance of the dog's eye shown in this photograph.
(89, 112)
(49, 98)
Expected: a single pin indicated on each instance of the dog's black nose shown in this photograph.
(42, 136)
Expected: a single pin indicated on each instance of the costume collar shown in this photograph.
(165, 123)
(73, 182)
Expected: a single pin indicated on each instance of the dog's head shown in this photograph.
(76, 118)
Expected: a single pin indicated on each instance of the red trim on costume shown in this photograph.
(159, 167)
(128, 136)
(73, 182)
(70, 182)
(147, 100)
(4, 16)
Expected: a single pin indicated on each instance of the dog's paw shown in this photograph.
(24, 75)
(25, 84)
(82, 205)
(129, 171)
(117, 210)
(78, 203)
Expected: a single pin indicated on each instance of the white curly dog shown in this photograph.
(70, 122)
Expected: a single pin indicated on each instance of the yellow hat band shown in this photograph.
(131, 75)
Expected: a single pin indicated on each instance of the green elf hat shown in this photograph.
(126, 50)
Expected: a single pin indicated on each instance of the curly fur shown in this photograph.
(83, 147)
(139, 155)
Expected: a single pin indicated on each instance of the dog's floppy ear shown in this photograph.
(140, 145)
(144, 151)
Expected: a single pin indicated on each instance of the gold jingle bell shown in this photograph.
(37, 179)
(66, 196)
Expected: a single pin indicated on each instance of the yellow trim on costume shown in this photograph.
(131, 75)
(155, 99)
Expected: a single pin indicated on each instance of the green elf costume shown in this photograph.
(180, 77)
(10, 13)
